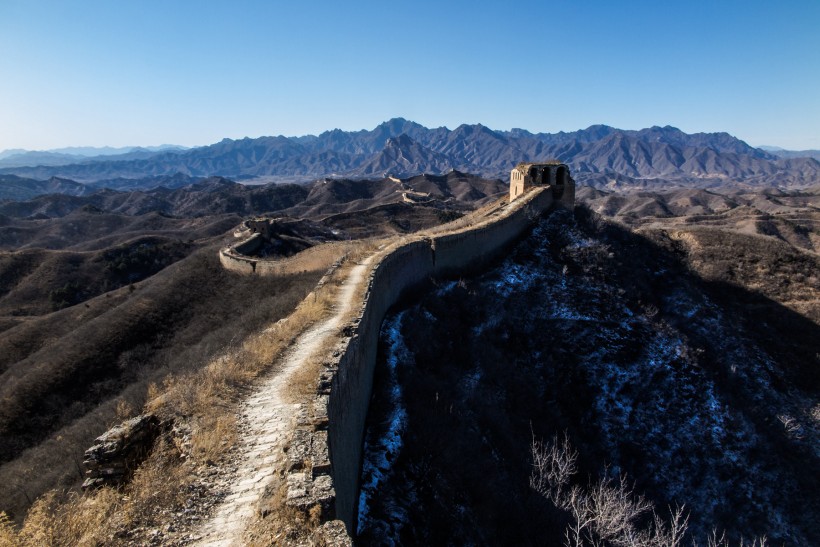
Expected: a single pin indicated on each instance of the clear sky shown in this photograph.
(117, 73)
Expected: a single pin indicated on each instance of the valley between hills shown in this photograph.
(668, 328)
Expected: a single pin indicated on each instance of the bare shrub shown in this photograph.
(607, 512)
(670, 533)
(715, 540)
(578, 531)
(554, 464)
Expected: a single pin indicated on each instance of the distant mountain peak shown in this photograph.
(396, 121)
(401, 141)
(402, 146)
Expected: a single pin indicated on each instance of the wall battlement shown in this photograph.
(346, 383)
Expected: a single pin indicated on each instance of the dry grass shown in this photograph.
(283, 524)
(302, 384)
(205, 401)
(207, 398)
(100, 517)
(66, 389)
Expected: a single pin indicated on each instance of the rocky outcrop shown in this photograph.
(118, 451)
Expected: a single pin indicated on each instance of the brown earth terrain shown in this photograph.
(105, 297)
(99, 308)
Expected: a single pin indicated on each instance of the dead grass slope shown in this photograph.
(90, 229)
(170, 323)
(37, 281)
(156, 505)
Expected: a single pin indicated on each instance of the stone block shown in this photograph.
(319, 454)
(319, 412)
(299, 449)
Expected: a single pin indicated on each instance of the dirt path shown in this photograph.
(265, 421)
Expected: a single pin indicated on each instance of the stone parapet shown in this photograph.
(319, 257)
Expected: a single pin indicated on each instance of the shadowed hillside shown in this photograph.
(697, 381)
(64, 373)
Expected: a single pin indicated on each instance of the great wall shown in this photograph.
(314, 446)
(325, 450)
(396, 270)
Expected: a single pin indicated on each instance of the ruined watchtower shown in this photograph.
(551, 173)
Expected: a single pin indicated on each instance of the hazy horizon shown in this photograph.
(101, 74)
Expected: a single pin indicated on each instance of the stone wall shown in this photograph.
(401, 267)
(352, 384)
(312, 259)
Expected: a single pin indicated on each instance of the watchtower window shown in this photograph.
(560, 175)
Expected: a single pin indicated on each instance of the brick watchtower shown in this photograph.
(551, 173)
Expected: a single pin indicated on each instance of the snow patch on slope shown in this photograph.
(381, 450)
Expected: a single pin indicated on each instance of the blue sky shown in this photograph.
(114, 73)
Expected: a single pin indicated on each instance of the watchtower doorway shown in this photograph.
(560, 179)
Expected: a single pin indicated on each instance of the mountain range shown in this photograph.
(600, 156)
(78, 154)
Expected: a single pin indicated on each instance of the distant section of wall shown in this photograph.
(402, 267)
(318, 257)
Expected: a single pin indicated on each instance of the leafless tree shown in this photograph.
(616, 508)
(670, 533)
(578, 532)
(554, 464)
(608, 512)
(715, 540)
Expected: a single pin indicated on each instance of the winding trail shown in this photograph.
(265, 421)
